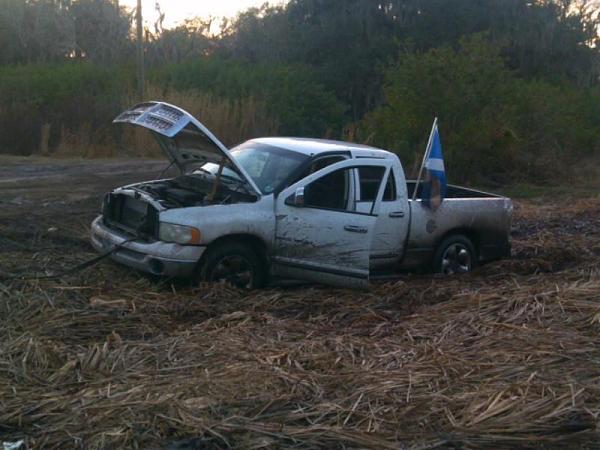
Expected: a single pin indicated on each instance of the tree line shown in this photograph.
(515, 83)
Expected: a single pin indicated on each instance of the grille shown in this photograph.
(169, 113)
(157, 123)
(130, 214)
(133, 213)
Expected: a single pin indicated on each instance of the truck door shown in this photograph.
(392, 225)
(320, 234)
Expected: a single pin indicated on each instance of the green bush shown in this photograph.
(495, 127)
(557, 125)
(292, 94)
(65, 96)
(74, 96)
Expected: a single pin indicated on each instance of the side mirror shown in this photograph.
(297, 199)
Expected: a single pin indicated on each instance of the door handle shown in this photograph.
(355, 229)
(396, 214)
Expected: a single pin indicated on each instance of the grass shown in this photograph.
(528, 191)
(505, 357)
(230, 121)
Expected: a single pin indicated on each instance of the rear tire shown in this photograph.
(233, 263)
(456, 254)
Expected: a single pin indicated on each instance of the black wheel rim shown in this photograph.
(234, 270)
(456, 258)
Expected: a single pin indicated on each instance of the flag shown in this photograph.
(434, 186)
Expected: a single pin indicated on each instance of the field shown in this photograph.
(505, 357)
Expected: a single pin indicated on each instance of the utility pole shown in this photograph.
(140, 51)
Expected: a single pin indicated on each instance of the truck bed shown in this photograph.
(452, 191)
(483, 217)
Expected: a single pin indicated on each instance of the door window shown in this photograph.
(317, 165)
(352, 189)
(331, 191)
(369, 180)
(389, 195)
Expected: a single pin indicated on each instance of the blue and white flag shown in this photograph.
(434, 186)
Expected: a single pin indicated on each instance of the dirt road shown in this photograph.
(505, 357)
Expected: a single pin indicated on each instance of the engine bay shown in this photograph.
(195, 190)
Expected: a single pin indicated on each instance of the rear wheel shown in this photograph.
(235, 264)
(456, 254)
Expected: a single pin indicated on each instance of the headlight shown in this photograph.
(180, 234)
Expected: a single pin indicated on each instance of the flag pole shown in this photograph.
(427, 151)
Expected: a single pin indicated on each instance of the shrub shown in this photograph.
(495, 127)
(292, 94)
(78, 101)
(557, 126)
(66, 96)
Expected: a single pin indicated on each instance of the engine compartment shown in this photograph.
(194, 190)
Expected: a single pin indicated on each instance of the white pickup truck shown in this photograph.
(317, 210)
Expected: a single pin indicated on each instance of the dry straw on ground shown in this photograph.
(506, 357)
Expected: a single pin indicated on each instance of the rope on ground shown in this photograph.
(78, 268)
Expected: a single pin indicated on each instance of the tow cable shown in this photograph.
(72, 270)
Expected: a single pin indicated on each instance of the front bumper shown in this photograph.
(158, 258)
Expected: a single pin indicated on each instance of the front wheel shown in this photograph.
(456, 254)
(235, 264)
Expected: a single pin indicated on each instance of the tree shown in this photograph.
(468, 89)
(35, 30)
(495, 126)
(56, 30)
(350, 41)
(182, 43)
(101, 31)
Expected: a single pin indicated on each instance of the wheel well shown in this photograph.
(256, 243)
(468, 232)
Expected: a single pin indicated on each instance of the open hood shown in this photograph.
(187, 143)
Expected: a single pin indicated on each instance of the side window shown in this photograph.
(390, 193)
(369, 180)
(331, 191)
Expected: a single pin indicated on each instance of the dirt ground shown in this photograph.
(505, 357)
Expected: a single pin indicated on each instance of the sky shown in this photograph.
(178, 10)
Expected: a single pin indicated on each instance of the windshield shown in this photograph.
(268, 166)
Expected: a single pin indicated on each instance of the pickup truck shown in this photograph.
(317, 210)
